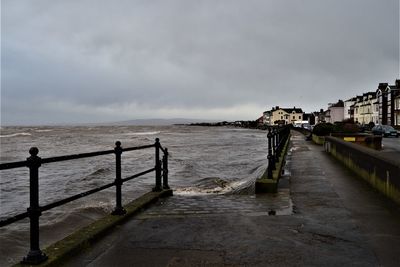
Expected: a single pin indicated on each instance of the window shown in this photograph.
(299, 117)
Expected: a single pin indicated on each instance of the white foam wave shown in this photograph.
(143, 133)
(15, 134)
(42, 131)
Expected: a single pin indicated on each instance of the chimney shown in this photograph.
(277, 107)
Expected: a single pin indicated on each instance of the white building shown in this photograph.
(347, 111)
(335, 112)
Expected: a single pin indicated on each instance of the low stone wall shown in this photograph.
(319, 140)
(382, 173)
(368, 140)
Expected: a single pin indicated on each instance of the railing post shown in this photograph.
(118, 210)
(158, 187)
(35, 255)
(270, 156)
(165, 169)
(276, 140)
(278, 143)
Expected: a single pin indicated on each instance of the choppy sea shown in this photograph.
(203, 160)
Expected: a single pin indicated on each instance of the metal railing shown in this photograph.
(277, 138)
(36, 255)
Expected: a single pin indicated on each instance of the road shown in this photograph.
(391, 144)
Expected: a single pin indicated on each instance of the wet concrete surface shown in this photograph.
(391, 143)
(391, 148)
(324, 216)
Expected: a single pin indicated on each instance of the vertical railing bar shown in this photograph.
(118, 210)
(157, 187)
(270, 160)
(278, 140)
(165, 169)
(35, 255)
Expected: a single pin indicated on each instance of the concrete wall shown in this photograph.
(319, 140)
(382, 173)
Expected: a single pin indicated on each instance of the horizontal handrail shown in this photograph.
(14, 219)
(137, 175)
(75, 197)
(76, 156)
(13, 165)
(18, 164)
(137, 148)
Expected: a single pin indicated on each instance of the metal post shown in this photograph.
(165, 169)
(158, 187)
(35, 255)
(118, 210)
(270, 157)
(276, 140)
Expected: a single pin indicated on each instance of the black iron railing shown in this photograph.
(35, 255)
(277, 138)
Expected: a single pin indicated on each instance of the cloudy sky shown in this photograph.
(97, 61)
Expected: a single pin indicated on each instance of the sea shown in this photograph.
(202, 160)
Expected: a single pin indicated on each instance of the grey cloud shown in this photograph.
(193, 55)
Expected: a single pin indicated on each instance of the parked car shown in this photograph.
(385, 130)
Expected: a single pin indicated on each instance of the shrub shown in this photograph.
(349, 128)
(322, 129)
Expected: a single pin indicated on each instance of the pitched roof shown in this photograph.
(290, 110)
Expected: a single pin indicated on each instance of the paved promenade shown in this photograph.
(322, 216)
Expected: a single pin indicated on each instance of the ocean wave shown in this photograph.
(44, 130)
(143, 133)
(209, 185)
(15, 135)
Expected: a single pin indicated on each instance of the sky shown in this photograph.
(100, 61)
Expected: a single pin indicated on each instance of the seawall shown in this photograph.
(380, 172)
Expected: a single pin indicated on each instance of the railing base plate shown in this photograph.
(34, 257)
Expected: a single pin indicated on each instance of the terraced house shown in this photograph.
(366, 108)
(388, 96)
(397, 110)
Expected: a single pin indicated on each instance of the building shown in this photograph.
(366, 109)
(286, 115)
(267, 117)
(397, 110)
(387, 95)
(335, 112)
(348, 111)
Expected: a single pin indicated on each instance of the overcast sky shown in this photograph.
(97, 61)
